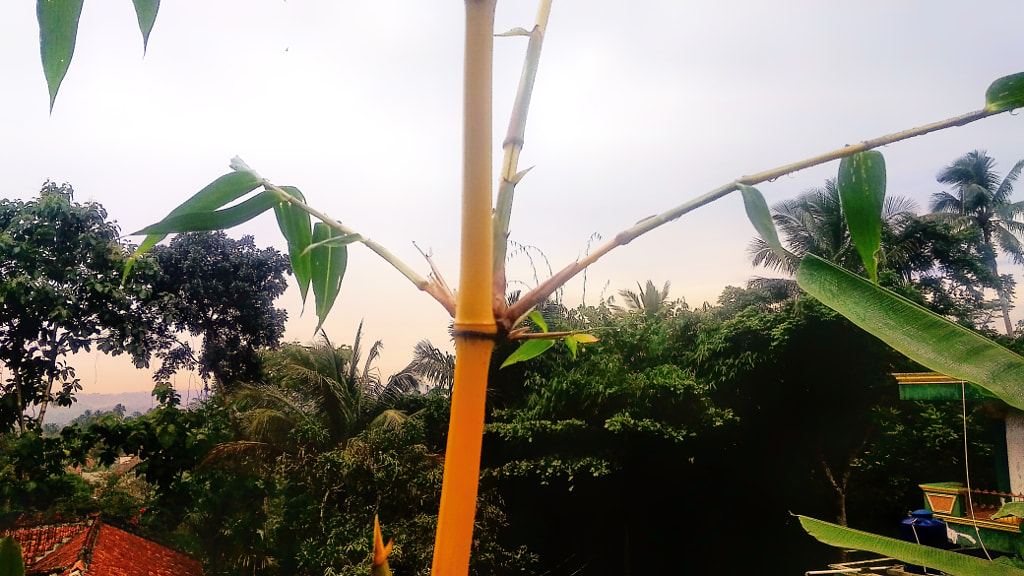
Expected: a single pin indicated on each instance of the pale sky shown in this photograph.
(639, 106)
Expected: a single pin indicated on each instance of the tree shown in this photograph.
(429, 368)
(626, 417)
(477, 311)
(981, 201)
(62, 291)
(222, 290)
(814, 223)
(648, 300)
(925, 258)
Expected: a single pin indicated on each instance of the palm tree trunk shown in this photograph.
(1005, 305)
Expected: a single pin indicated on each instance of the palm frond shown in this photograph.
(389, 419)
(1005, 189)
(241, 453)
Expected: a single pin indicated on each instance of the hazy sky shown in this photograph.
(639, 106)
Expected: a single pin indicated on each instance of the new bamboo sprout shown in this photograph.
(512, 146)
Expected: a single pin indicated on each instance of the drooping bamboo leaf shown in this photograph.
(528, 350)
(58, 29)
(328, 269)
(217, 219)
(861, 185)
(1005, 93)
(761, 218)
(298, 232)
(944, 560)
(11, 561)
(145, 11)
(538, 319)
(572, 344)
(920, 334)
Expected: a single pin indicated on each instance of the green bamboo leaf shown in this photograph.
(58, 29)
(328, 265)
(11, 561)
(145, 11)
(861, 185)
(944, 560)
(215, 220)
(1005, 93)
(538, 319)
(573, 345)
(227, 188)
(337, 241)
(761, 218)
(528, 350)
(298, 232)
(1010, 509)
(920, 334)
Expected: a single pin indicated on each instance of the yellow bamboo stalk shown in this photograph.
(474, 318)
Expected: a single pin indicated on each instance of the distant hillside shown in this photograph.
(132, 401)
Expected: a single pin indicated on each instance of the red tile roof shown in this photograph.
(38, 541)
(97, 549)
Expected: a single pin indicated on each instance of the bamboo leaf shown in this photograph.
(215, 220)
(528, 350)
(340, 240)
(227, 188)
(538, 319)
(1005, 93)
(328, 269)
(861, 185)
(585, 338)
(761, 218)
(573, 345)
(58, 29)
(11, 561)
(920, 334)
(298, 232)
(145, 11)
(944, 560)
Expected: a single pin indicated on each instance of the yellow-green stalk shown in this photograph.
(512, 146)
(474, 319)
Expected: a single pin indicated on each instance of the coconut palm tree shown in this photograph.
(648, 299)
(814, 223)
(979, 199)
(429, 368)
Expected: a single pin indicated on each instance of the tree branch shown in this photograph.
(541, 292)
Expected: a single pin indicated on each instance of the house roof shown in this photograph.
(94, 548)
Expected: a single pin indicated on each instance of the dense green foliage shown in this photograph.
(222, 290)
(61, 292)
(682, 429)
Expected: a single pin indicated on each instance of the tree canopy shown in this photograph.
(223, 291)
(62, 292)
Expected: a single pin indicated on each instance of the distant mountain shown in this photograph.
(133, 402)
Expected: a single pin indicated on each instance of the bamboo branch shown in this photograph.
(541, 292)
(512, 146)
(438, 290)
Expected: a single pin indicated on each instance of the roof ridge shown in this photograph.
(85, 554)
